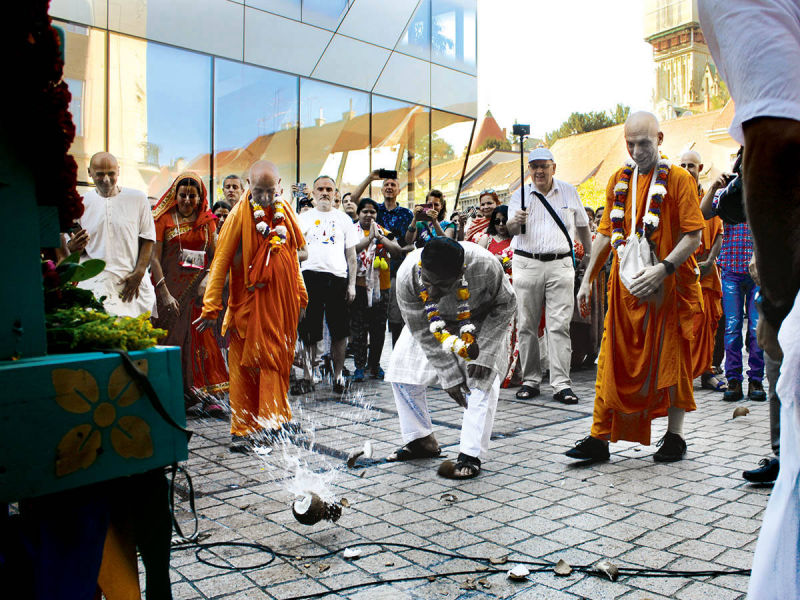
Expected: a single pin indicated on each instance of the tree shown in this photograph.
(438, 149)
(496, 144)
(591, 121)
(591, 193)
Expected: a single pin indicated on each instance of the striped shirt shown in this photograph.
(543, 235)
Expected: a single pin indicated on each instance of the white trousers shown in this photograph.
(476, 426)
(551, 284)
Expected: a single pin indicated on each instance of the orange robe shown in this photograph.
(645, 363)
(705, 323)
(263, 311)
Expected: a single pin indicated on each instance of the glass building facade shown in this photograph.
(335, 87)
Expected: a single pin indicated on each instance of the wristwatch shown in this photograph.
(668, 266)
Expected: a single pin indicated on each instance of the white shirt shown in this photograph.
(115, 225)
(543, 235)
(328, 235)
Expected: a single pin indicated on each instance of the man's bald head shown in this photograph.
(642, 136)
(264, 182)
(691, 161)
(104, 171)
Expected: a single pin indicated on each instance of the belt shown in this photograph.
(543, 257)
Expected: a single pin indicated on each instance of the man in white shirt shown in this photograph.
(120, 231)
(329, 273)
(544, 274)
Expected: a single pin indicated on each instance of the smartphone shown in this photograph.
(387, 174)
(423, 216)
(300, 192)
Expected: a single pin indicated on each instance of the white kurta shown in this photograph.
(776, 564)
(114, 226)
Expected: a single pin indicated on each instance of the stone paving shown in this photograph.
(529, 503)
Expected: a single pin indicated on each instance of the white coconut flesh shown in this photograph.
(519, 572)
(367, 449)
(301, 505)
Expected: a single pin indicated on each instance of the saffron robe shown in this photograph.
(645, 362)
(263, 312)
(705, 323)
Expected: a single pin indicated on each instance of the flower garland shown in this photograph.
(651, 219)
(276, 234)
(463, 345)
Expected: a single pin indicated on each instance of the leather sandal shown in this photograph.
(412, 451)
(526, 392)
(464, 461)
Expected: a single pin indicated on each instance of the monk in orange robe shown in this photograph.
(705, 323)
(258, 247)
(645, 365)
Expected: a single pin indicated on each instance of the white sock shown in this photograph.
(675, 420)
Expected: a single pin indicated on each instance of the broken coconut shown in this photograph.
(311, 509)
(562, 568)
(366, 452)
(741, 411)
(519, 573)
(351, 553)
(608, 569)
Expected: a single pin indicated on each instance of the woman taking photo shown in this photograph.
(185, 241)
(477, 225)
(429, 221)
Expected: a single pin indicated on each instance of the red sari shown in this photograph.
(204, 369)
(476, 229)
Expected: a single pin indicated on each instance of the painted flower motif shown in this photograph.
(77, 392)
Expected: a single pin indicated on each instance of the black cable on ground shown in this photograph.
(537, 566)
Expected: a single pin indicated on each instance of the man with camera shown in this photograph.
(544, 273)
(396, 219)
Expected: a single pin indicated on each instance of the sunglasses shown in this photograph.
(499, 221)
(487, 191)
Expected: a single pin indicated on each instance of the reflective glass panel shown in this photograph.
(324, 13)
(450, 136)
(416, 41)
(400, 141)
(84, 72)
(159, 113)
(286, 8)
(454, 33)
(334, 134)
(255, 118)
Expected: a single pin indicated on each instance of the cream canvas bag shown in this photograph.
(636, 254)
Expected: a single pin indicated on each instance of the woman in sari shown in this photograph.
(477, 225)
(185, 242)
(498, 241)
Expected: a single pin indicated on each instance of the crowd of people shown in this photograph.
(262, 295)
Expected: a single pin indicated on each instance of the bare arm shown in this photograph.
(359, 191)
(350, 254)
(706, 204)
(302, 254)
(706, 266)
(131, 283)
(515, 224)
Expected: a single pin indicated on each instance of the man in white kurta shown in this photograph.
(121, 232)
(419, 360)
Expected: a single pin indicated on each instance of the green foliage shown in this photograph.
(438, 149)
(496, 144)
(79, 329)
(591, 121)
(592, 193)
(719, 100)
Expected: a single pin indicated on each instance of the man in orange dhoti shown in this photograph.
(258, 245)
(705, 323)
(645, 365)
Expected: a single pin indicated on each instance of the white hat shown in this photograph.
(540, 154)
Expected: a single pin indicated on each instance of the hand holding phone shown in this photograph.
(387, 174)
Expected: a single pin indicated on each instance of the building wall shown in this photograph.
(318, 86)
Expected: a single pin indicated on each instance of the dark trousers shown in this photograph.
(368, 329)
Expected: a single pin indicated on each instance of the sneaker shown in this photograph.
(755, 391)
(672, 448)
(766, 473)
(358, 376)
(734, 391)
(590, 449)
(378, 373)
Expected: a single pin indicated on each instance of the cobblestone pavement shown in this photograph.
(529, 503)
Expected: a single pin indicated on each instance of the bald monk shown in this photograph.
(706, 255)
(267, 296)
(117, 227)
(645, 365)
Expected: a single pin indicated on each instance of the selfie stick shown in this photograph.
(521, 131)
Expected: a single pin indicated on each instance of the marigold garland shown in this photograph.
(463, 345)
(651, 219)
(274, 231)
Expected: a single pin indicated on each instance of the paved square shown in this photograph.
(529, 503)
